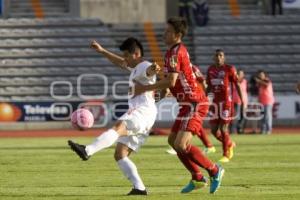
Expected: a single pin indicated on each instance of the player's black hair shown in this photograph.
(219, 51)
(179, 24)
(131, 44)
(240, 70)
(262, 71)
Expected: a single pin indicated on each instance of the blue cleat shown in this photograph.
(215, 181)
(193, 185)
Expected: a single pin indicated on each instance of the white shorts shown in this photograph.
(134, 142)
(139, 122)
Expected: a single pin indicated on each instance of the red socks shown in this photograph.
(191, 166)
(195, 155)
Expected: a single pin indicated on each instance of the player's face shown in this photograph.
(170, 35)
(219, 58)
(241, 75)
(131, 58)
(262, 75)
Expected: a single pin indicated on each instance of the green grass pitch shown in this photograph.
(264, 167)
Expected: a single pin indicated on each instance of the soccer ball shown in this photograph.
(82, 119)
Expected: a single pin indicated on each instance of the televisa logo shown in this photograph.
(37, 109)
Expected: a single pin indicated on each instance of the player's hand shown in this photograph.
(95, 45)
(155, 68)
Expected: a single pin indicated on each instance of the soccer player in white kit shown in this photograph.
(131, 130)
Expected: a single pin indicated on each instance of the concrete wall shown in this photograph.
(124, 11)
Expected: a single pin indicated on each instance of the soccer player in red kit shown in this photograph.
(220, 77)
(181, 81)
(209, 148)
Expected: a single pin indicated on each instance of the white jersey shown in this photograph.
(142, 111)
(139, 74)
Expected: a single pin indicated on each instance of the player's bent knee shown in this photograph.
(119, 155)
(171, 142)
(180, 147)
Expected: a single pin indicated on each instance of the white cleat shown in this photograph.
(171, 151)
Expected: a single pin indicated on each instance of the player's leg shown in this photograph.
(198, 180)
(227, 144)
(214, 127)
(171, 139)
(184, 146)
(214, 121)
(129, 169)
(191, 166)
(104, 140)
(108, 138)
(209, 147)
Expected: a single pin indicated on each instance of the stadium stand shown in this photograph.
(54, 8)
(252, 41)
(36, 52)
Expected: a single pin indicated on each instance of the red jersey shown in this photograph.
(186, 88)
(220, 80)
(199, 76)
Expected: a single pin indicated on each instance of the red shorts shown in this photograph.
(220, 113)
(190, 118)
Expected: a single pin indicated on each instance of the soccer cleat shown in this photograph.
(171, 151)
(209, 150)
(137, 192)
(224, 159)
(215, 181)
(79, 150)
(193, 185)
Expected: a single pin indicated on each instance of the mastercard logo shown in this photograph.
(9, 112)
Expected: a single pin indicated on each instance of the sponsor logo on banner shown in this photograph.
(291, 4)
(51, 111)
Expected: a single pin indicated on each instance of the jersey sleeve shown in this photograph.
(142, 73)
(233, 75)
(198, 74)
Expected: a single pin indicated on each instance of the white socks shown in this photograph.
(130, 171)
(105, 140)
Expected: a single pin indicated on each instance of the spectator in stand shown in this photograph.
(194, 11)
(298, 88)
(253, 90)
(237, 125)
(279, 4)
(266, 98)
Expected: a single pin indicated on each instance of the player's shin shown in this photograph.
(191, 166)
(105, 140)
(200, 159)
(130, 171)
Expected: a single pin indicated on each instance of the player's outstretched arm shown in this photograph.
(112, 57)
(167, 82)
